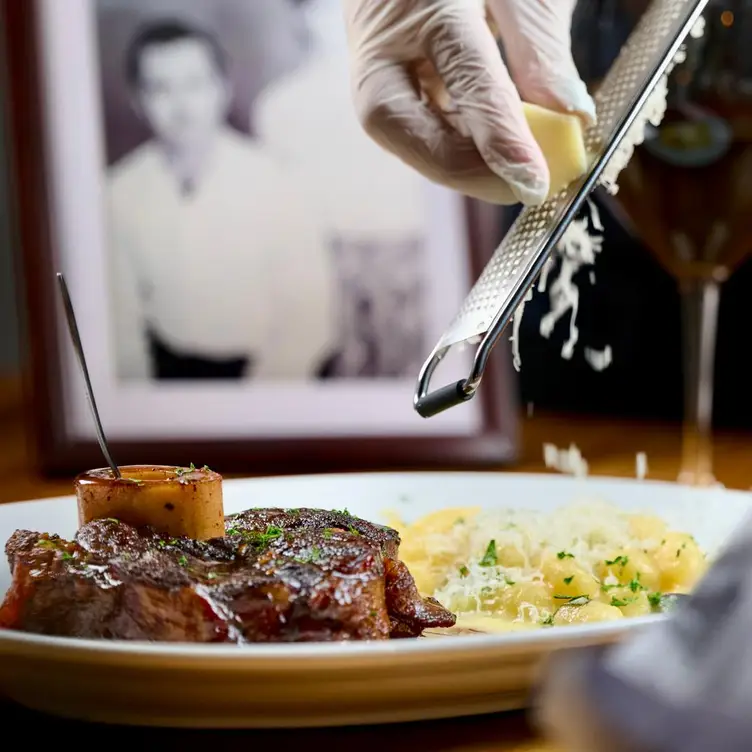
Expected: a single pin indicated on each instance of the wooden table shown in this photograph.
(609, 446)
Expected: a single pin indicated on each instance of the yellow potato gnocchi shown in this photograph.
(510, 569)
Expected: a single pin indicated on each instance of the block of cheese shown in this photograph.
(561, 139)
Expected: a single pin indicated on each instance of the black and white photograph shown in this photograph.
(228, 216)
(245, 263)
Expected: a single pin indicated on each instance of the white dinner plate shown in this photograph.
(332, 684)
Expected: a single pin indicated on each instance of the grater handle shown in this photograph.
(442, 399)
(427, 404)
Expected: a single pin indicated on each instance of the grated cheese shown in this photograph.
(578, 246)
(569, 461)
(588, 531)
(599, 359)
(641, 465)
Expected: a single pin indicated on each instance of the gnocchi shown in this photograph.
(526, 569)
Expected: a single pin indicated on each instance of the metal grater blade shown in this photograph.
(518, 261)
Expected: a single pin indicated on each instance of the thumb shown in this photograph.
(537, 43)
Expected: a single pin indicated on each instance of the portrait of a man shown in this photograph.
(216, 257)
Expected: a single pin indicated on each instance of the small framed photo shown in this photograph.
(256, 283)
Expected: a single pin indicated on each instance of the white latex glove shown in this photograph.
(430, 86)
(684, 685)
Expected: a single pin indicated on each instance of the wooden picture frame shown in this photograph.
(59, 451)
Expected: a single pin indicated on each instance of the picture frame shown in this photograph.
(62, 432)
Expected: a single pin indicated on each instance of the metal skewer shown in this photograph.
(79, 350)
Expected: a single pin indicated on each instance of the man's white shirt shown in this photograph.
(237, 267)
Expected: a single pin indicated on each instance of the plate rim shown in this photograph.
(237, 656)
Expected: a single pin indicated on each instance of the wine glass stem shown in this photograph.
(700, 299)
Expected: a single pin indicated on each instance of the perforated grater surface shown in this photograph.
(518, 261)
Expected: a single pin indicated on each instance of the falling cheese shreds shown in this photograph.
(516, 323)
(569, 461)
(599, 360)
(578, 246)
(641, 465)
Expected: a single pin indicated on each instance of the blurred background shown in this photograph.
(675, 268)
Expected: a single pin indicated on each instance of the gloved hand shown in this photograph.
(683, 685)
(430, 86)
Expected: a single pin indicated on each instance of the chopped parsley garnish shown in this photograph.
(67, 556)
(635, 585)
(353, 531)
(46, 543)
(211, 575)
(568, 580)
(345, 512)
(464, 571)
(564, 555)
(547, 621)
(328, 532)
(490, 558)
(256, 538)
(182, 561)
(606, 588)
(206, 469)
(232, 531)
(619, 602)
(112, 519)
(654, 599)
(509, 581)
(571, 597)
(619, 561)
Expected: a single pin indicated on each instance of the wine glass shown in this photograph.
(687, 193)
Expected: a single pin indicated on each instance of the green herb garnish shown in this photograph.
(568, 580)
(547, 621)
(571, 597)
(464, 571)
(490, 558)
(255, 538)
(635, 585)
(183, 561)
(654, 599)
(619, 561)
(564, 555)
(619, 602)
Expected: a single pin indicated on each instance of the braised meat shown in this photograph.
(277, 576)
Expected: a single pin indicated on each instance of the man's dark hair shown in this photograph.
(168, 31)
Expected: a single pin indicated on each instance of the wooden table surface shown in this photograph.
(609, 446)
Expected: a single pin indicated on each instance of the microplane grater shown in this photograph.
(517, 262)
